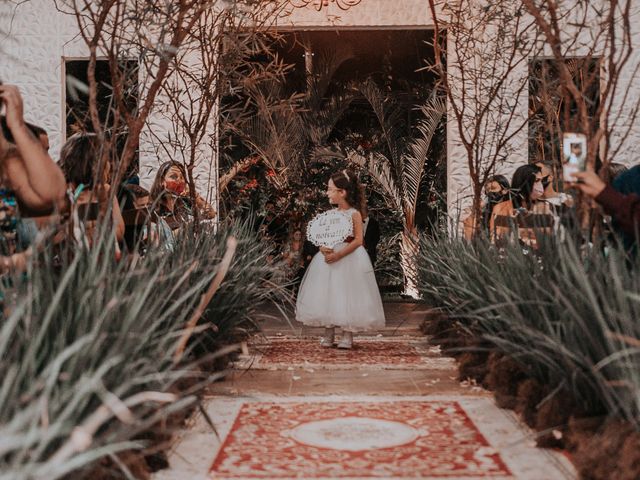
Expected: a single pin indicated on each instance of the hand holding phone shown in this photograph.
(589, 183)
(574, 155)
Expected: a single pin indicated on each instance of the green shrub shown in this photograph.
(82, 344)
(567, 315)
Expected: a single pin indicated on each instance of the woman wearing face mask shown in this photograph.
(496, 190)
(523, 210)
(171, 199)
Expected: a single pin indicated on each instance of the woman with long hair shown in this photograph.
(171, 199)
(523, 212)
(88, 177)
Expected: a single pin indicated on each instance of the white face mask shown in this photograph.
(538, 191)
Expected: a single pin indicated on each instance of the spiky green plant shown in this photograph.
(401, 167)
(568, 314)
(87, 347)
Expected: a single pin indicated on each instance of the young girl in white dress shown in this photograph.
(339, 288)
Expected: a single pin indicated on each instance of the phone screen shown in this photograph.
(574, 155)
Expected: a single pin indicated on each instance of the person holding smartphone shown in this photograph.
(624, 208)
(29, 178)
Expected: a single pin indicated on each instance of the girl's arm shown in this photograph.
(357, 240)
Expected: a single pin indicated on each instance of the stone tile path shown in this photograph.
(391, 408)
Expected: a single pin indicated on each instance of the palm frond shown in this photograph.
(321, 122)
(389, 115)
(274, 132)
(325, 66)
(322, 154)
(378, 167)
(414, 161)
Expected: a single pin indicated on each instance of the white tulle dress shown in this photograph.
(342, 294)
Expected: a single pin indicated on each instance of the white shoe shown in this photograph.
(328, 338)
(346, 341)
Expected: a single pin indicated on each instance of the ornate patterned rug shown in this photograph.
(392, 438)
(367, 353)
(337, 440)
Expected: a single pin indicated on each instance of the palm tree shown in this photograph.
(289, 132)
(401, 169)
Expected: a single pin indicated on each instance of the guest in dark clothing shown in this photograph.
(371, 238)
(134, 203)
(308, 252)
(496, 191)
(621, 201)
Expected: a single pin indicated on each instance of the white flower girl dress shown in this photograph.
(341, 294)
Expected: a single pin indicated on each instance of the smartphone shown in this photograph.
(574, 155)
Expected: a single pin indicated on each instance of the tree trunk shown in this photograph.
(408, 258)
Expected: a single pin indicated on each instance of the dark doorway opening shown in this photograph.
(78, 118)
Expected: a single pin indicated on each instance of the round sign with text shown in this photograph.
(330, 228)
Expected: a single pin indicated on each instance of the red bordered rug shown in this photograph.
(401, 439)
(367, 353)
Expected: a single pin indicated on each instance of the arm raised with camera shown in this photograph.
(37, 181)
(625, 209)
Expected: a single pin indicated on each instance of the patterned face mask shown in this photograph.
(175, 186)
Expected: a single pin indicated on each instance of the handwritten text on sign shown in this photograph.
(330, 228)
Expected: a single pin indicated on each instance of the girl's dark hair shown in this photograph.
(500, 180)
(157, 189)
(522, 185)
(348, 181)
(79, 159)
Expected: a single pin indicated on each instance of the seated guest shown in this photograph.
(134, 196)
(134, 203)
(88, 178)
(292, 254)
(371, 231)
(496, 191)
(29, 179)
(170, 197)
(549, 183)
(523, 213)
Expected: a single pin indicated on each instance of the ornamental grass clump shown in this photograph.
(88, 346)
(566, 315)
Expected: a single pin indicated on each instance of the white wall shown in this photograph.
(36, 39)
